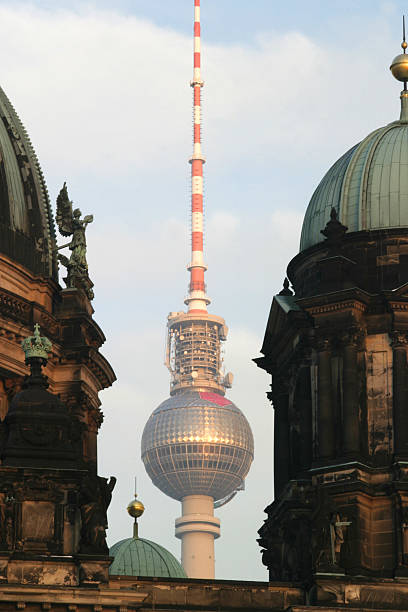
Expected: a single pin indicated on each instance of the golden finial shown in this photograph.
(399, 66)
(135, 508)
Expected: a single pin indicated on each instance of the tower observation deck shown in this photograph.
(197, 446)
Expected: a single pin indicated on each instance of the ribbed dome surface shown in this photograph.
(26, 223)
(368, 186)
(139, 557)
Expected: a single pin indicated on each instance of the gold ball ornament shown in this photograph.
(399, 66)
(135, 508)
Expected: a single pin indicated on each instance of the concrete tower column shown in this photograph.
(197, 530)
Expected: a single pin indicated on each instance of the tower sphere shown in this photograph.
(199, 443)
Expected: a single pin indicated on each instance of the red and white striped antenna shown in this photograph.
(197, 299)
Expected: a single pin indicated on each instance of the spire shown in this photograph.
(197, 299)
(399, 69)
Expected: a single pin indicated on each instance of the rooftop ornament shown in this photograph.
(399, 69)
(36, 349)
(286, 290)
(36, 346)
(135, 508)
(334, 230)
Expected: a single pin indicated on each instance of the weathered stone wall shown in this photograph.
(337, 353)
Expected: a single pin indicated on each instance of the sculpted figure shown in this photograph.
(96, 495)
(70, 224)
(7, 519)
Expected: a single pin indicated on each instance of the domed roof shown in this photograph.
(367, 186)
(26, 223)
(139, 557)
(197, 442)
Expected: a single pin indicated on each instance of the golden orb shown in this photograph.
(135, 508)
(399, 67)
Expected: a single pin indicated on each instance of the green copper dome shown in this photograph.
(26, 221)
(139, 557)
(368, 185)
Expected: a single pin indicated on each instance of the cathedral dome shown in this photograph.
(367, 186)
(26, 223)
(140, 557)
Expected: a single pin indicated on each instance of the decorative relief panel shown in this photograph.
(38, 521)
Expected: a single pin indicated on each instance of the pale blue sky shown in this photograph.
(103, 90)
(230, 21)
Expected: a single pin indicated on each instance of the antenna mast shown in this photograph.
(197, 299)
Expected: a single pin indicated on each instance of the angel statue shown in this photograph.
(70, 223)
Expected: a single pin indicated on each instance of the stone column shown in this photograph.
(326, 417)
(400, 394)
(351, 420)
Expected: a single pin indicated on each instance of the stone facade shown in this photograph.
(76, 369)
(126, 594)
(52, 502)
(337, 353)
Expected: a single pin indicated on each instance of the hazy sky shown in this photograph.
(103, 90)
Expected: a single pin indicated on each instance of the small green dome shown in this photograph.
(139, 557)
(368, 186)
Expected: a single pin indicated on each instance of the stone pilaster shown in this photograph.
(280, 399)
(351, 418)
(326, 417)
(400, 393)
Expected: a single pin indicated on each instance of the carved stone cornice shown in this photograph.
(336, 306)
(96, 418)
(14, 307)
(19, 309)
(398, 305)
(101, 368)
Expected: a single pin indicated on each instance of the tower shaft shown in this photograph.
(197, 300)
(197, 530)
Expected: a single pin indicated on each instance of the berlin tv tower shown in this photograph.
(197, 446)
